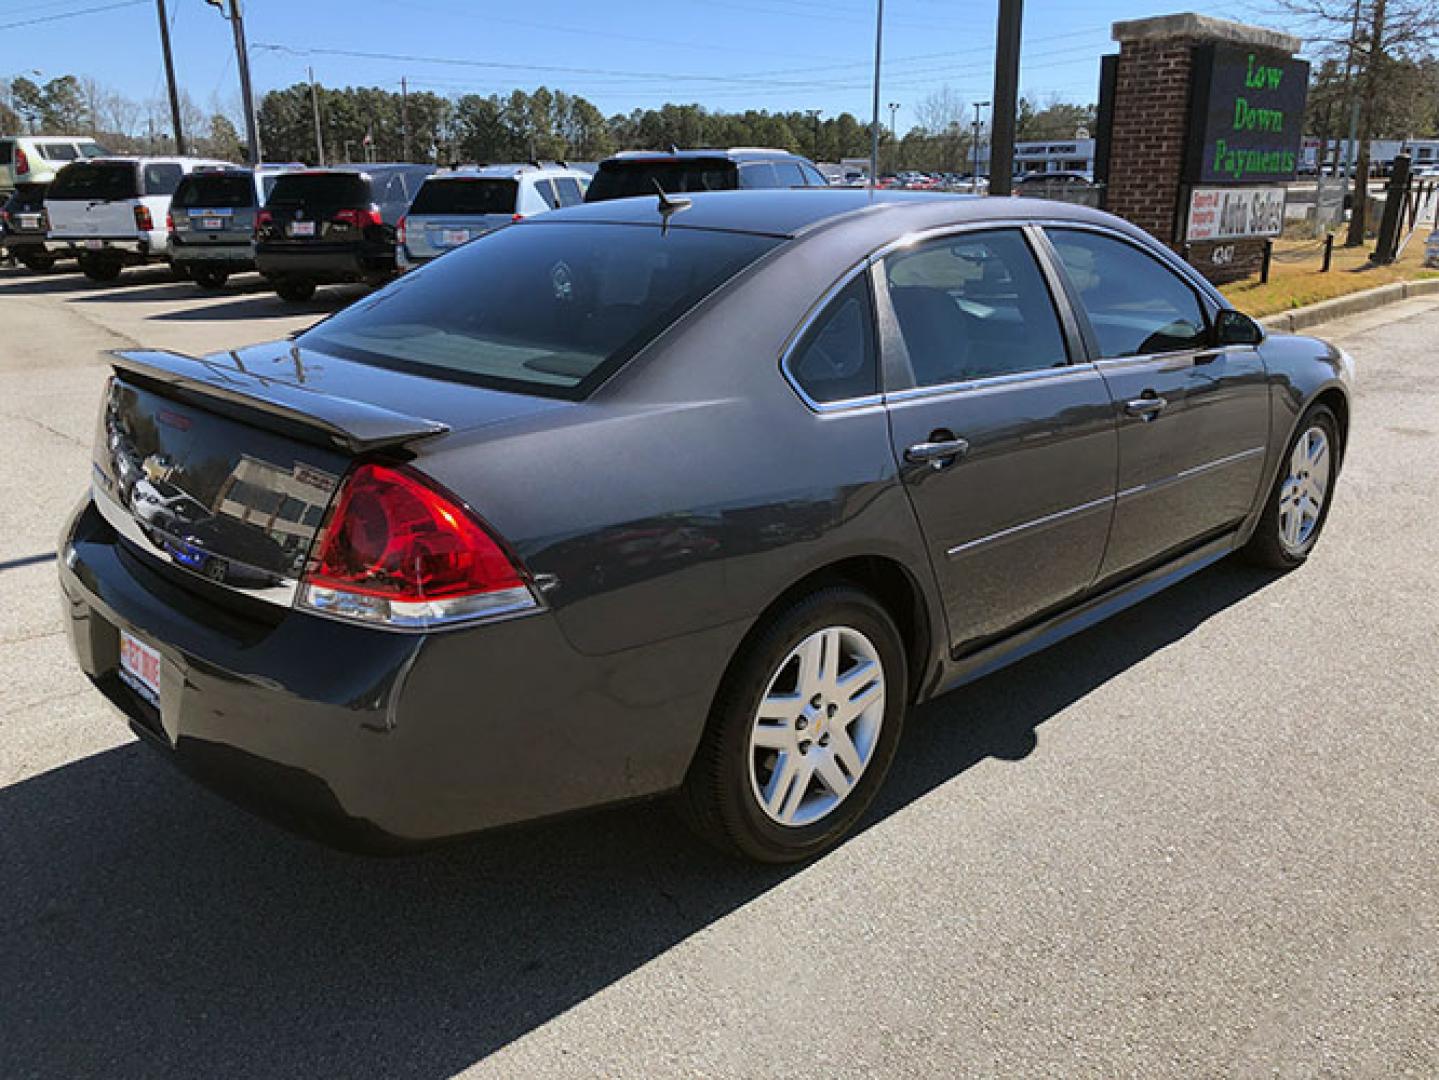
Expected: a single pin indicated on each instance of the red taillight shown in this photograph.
(169, 222)
(369, 216)
(22, 163)
(400, 552)
(519, 217)
(400, 231)
(263, 220)
(143, 221)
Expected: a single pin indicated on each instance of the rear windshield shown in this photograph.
(95, 180)
(543, 308)
(320, 189)
(27, 198)
(92, 149)
(466, 197)
(625, 179)
(216, 189)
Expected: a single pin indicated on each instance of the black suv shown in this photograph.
(635, 172)
(322, 226)
(23, 226)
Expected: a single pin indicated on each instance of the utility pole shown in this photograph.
(1002, 117)
(170, 78)
(814, 120)
(315, 106)
(242, 62)
(894, 136)
(405, 121)
(874, 116)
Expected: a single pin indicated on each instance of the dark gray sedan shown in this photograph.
(671, 496)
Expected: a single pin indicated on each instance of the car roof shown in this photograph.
(503, 172)
(736, 153)
(788, 212)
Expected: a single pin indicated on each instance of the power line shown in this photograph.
(72, 14)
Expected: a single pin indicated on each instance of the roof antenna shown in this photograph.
(670, 205)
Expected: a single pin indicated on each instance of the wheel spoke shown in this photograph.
(832, 776)
(863, 698)
(818, 661)
(781, 707)
(844, 750)
(774, 736)
(781, 783)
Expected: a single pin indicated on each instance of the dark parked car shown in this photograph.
(692, 496)
(637, 172)
(212, 222)
(324, 226)
(23, 226)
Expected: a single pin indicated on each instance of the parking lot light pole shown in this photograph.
(974, 176)
(874, 115)
(1006, 98)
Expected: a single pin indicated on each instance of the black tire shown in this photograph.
(209, 279)
(295, 290)
(718, 800)
(179, 272)
(101, 269)
(39, 263)
(1268, 547)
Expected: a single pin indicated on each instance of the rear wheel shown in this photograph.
(100, 269)
(1299, 502)
(210, 279)
(39, 263)
(295, 290)
(803, 730)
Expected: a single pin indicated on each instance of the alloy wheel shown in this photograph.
(817, 726)
(1301, 498)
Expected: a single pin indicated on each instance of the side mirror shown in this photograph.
(1237, 328)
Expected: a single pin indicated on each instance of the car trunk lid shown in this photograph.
(94, 198)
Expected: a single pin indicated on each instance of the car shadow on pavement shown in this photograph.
(150, 929)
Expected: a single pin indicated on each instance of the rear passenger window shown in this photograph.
(57, 151)
(789, 174)
(547, 192)
(1135, 305)
(569, 191)
(759, 174)
(813, 177)
(836, 359)
(162, 178)
(973, 306)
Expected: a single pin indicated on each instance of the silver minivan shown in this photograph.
(455, 207)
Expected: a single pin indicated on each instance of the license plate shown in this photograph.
(302, 228)
(454, 237)
(213, 223)
(29, 221)
(94, 245)
(140, 667)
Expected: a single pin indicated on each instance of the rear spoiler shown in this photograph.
(355, 426)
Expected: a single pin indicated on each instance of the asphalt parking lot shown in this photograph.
(1201, 839)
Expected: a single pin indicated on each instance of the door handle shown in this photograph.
(1147, 407)
(938, 454)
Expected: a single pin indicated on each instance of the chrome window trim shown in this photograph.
(1191, 355)
(918, 393)
(1037, 523)
(812, 316)
(1190, 473)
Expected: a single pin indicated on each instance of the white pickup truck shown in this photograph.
(110, 212)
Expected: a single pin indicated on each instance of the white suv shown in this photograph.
(452, 208)
(35, 159)
(111, 212)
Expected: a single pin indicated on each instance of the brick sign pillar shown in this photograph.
(1172, 121)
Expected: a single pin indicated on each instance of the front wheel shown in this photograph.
(802, 731)
(1299, 502)
(38, 263)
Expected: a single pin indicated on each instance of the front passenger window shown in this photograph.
(1136, 305)
(836, 360)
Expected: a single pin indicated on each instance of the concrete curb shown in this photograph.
(1289, 322)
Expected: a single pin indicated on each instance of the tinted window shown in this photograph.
(57, 151)
(836, 359)
(546, 191)
(95, 180)
(789, 174)
(216, 190)
(162, 179)
(973, 306)
(814, 178)
(92, 149)
(1135, 305)
(626, 179)
(546, 308)
(569, 191)
(478, 196)
(320, 189)
(7, 151)
(758, 174)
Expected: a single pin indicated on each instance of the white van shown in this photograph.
(111, 212)
(35, 159)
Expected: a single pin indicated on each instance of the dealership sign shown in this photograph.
(1247, 115)
(1234, 213)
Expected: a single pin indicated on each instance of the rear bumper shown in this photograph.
(377, 741)
(234, 258)
(133, 249)
(333, 265)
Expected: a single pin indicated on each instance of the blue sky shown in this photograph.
(775, 54)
